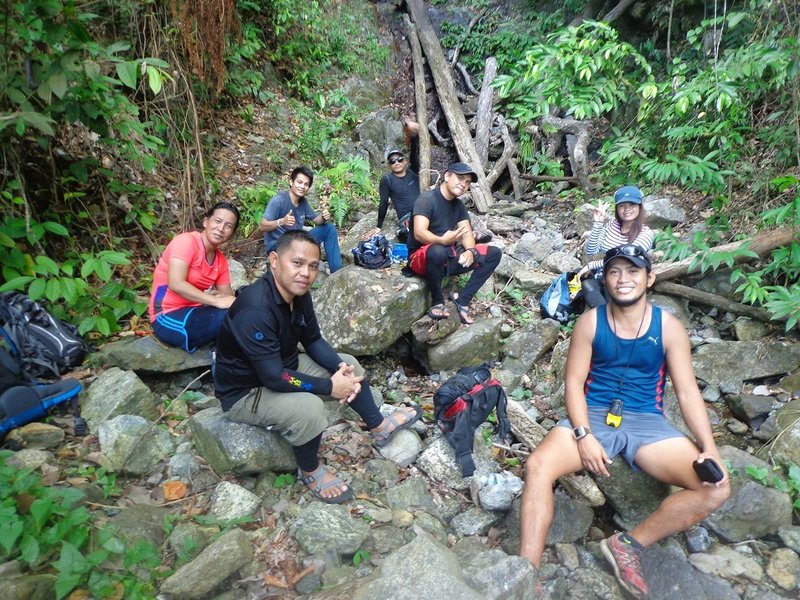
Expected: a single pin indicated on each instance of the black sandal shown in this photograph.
(438, 312)
(463, 311)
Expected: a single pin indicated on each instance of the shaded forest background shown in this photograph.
(109, 113)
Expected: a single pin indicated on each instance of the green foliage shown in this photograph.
(584, 70)
(286, 480)
(344, 184)
(788, 482)
(361, 556)
(105, 479)
(44, 527)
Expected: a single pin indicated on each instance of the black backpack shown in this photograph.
(23, 400)
(373, 253)
(462, 403)
(43, 345)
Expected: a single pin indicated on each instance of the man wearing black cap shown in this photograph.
(401, 185)
(614, 389)
(442, 243)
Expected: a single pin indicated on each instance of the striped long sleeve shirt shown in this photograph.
(604, 237)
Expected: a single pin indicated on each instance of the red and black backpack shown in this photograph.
(462, 403)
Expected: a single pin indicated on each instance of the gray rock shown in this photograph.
(413, 492)
(438, 461)
(790, 536)
(527, 345)
(671, 575)
(532, 282)
(675, 306)
(662, 212)
(383, 471)
(237, 447)
(428, 332)
(474, 521)
(214, 565)
(726, 562)
(697, 539)
(468, 346)
(29, 587)
(230, 501)
(116, 392)
(791, 383)
(784, 568)
(29, 458)
(184, 466)
(37, 436)
(499, 576)
(748, 407)
(188, 539)
(146, 354)
(140, 523)
(748, 330)
(403, 448)
(238, 274)
(134, 445)
(714, 363)
(633, 494)
(752, 511)
(380, 131)
(368, 322)
(535, 247)
(786, 449)
(384, 540)
(321, 526)
(497, 491)
(561, 262)
(431, 525)
(439, 575)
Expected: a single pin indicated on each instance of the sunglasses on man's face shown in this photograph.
(396, 160)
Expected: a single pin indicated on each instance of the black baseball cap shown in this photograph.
(633, 254)
(461, 168)
(394, 151)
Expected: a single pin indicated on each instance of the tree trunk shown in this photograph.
(420, 95)
(700, 297)
(483, 119)
(481, 192)
(616, 12)
(762, 244)
(578, 150)
(530, 433)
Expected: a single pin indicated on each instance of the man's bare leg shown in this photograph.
(557, 455)
(670, 461)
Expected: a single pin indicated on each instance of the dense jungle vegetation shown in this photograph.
(107, 122)
(108, 110)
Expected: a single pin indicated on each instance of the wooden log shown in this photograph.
(421, 100)
(483, 119)
(545, 178)
(762, 244)
(509, 150)
(708, 299)
(467, 82)
(530, 433)
(472, 23)
(579, 150)
(446, 91)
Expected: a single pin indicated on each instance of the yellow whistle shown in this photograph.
(614, 416)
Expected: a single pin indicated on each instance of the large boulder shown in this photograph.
(147, 354)
(133, 445)
(633, 494)
(524, 347)
(321, 527)
(363, 312)
(468, 346)
(238, 447)
(116, 392)
(786, 448)
(743, 361)
(662, 212)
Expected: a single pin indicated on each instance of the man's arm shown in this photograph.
(425, 236)
(681, 372)
(579, 361)
(272, 218)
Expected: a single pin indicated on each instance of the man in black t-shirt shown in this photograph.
(442, 243)
(262, 379)
(401, 185)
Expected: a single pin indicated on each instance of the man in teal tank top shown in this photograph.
(619, 355)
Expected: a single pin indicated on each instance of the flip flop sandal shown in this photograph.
(463, 311)
(438, 312)
(316, 477)
(381, 438)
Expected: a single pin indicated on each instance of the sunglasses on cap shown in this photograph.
(398, 159)
(637, 253)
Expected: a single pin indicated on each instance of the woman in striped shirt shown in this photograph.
(627, 227)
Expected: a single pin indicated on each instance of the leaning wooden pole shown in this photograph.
(421, 97)
(446, 90)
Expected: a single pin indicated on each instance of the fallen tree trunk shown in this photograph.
(708, 299)
(762, 244)
(420, 96)
(483, 118)
(530, 433)
(446, 91)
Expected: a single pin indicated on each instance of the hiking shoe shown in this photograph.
(627, 564)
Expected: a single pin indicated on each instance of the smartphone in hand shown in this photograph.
(708, 470)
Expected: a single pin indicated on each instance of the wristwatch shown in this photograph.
(581, 432)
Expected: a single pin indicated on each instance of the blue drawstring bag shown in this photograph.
(555, 302)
